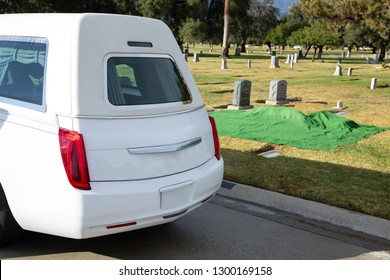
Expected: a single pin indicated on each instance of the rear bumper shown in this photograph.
(113, 207)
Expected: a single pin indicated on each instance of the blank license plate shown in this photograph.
(176, 195)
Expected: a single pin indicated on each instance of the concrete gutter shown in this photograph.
(313, 210)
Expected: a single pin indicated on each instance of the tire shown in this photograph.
(10, 231)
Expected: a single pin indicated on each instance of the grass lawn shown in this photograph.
(354, 176)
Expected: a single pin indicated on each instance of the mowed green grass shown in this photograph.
(355, 176)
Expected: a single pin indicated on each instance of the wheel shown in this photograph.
(10, 231)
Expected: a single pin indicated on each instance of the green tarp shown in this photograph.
(281, 125)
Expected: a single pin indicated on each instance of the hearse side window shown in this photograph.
(140, 80)
(22, 62)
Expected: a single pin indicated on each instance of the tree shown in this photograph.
(127, 7)
(278, 36)
(195, 27)
(252, 19)
(193, 31)
(67, 6)
(215, 21)
(355, 35)
(225, 41)
(175, 13)
(172, 12)
(293, 21)
(373, 15)
(265, 18)
(317, 36)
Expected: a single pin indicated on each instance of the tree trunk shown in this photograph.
(382, 53)
(225, 44)
(320, 51)
(314, 55)
(307, 51)
(269, 47)
(244, 37)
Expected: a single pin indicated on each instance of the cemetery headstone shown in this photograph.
(375, 58)
(368, 60)
(343, 54)
(274, 62)
(349, 53)
(288, 59)
(373, 83)
(241, 95)
(249, 63)
(277, 93)
(350, 71)
(295, 58)
(338, 71)
(196, 57)
(292, 64)
(339, 105)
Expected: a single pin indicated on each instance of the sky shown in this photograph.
(283, 5)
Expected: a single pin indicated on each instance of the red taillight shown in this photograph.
(216, 139)
(74, 158)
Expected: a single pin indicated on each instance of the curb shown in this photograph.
(370, 225)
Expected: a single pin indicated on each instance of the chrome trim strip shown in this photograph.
(135, 116)
(166, 148)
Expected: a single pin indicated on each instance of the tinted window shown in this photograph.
(144, 80)
(22, 63)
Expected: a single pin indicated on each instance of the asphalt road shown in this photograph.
(224, 228)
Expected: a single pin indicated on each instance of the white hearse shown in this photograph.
(102, 127)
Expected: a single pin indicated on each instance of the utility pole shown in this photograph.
(225, 43)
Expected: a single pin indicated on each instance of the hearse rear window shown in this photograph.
(22, 62)
(141, 80)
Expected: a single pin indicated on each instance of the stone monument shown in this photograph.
(373, 83)
(277, 93)
(295, 58)
(274, 61)
(287, 59)
(375, 58)
(196, 57)
(338, 71)
(241, 95)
